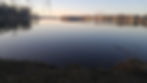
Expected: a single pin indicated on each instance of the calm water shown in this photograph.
(61, 43)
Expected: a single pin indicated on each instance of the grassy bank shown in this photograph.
(131, 71)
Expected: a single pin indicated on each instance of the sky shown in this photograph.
(102, 6)
(60, 7)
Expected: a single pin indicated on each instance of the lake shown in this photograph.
(62, 43)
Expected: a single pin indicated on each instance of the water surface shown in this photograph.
(64, 43)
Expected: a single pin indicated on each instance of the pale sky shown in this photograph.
(60, 7)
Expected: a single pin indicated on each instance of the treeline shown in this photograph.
(116, 19)
(10, 16)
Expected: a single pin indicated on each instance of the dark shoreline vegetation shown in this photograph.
(130, 71)
(11, 16)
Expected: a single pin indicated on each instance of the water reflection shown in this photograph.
(14, 27)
